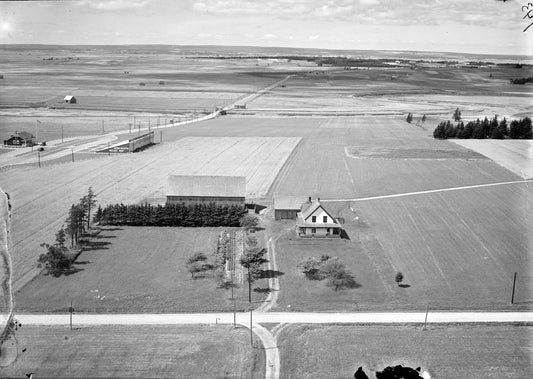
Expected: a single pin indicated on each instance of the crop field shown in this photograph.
(339, 173)
(399, 91)
(476, 352)
(140, 351)
(41, 197)
(455, 253)
(134, 270)
(515, 155)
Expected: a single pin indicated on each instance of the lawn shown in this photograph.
(137, 269)
(455, 253)
(473, 352)
(140, 351)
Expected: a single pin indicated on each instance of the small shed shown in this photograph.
(287, 208)
(70, 99)
(194, 189)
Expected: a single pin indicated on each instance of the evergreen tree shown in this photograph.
(457, 115)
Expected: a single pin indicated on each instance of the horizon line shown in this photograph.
(265, 47)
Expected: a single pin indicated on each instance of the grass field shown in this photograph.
(474, 352)
(41, 197)
(137, 269)
(140, 351)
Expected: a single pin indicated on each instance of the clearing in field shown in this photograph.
(514, 155)
(136, 351)
(483, 352)
(134, 270)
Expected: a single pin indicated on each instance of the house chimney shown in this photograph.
(318, 199)
(309, 198)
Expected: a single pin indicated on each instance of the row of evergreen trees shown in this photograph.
(480, 129)
(194, 215)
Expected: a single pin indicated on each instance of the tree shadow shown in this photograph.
(95, 245)
(262, 290)
(108, 229)
(100, 236)
(404, 285)
(268, 274)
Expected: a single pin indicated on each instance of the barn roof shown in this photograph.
(193, 185)
(68, 97)
(289, 202)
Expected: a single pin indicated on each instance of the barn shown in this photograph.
(20, 139)
(287, 208)
(194, 189)
(70, 99)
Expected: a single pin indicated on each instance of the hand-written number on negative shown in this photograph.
(528, 8)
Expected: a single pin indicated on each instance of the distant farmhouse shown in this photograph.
(70, 99)
(20, 139)
(315, 221)
(193, 189)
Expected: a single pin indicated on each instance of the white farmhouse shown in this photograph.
(315, 221)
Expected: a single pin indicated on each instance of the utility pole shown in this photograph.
(148, 124)
(36, 131)
(251, 333)
(39, 158)
(139, 128)
(514, 283)
(71, 311)
(72, 150)
(426, 319)
(161, 136)
(130, 126)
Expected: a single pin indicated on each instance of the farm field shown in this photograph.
(515, 155)
(40, 211)
(135, 270)
(140, 351)
(454, 251)
(477, 352)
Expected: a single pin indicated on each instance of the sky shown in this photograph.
(468, 26)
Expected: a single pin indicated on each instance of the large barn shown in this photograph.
(193, 189)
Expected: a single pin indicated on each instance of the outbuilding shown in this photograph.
(287, 208)
(70, 99)
(20, 139)
(195, 189)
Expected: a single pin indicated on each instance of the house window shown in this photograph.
(325, 219)
(313, 219)
(327, 230)
(313, 230)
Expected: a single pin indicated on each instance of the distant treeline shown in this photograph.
(480, 129)
(194, 215)
(522, 80)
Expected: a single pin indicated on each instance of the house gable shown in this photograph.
(322, 216)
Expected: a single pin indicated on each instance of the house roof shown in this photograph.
(307, 212)
(24, 135)
(195, 185)
(68, 97)
(289, 202)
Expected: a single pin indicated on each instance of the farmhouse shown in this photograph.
(192, 189)
(315, 221)
(70, 99)
(287, 208)
(20, 139)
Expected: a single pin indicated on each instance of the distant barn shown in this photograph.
(193, 189)
(20, 139)
(70, 99)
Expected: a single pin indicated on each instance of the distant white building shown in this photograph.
(70, 99)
